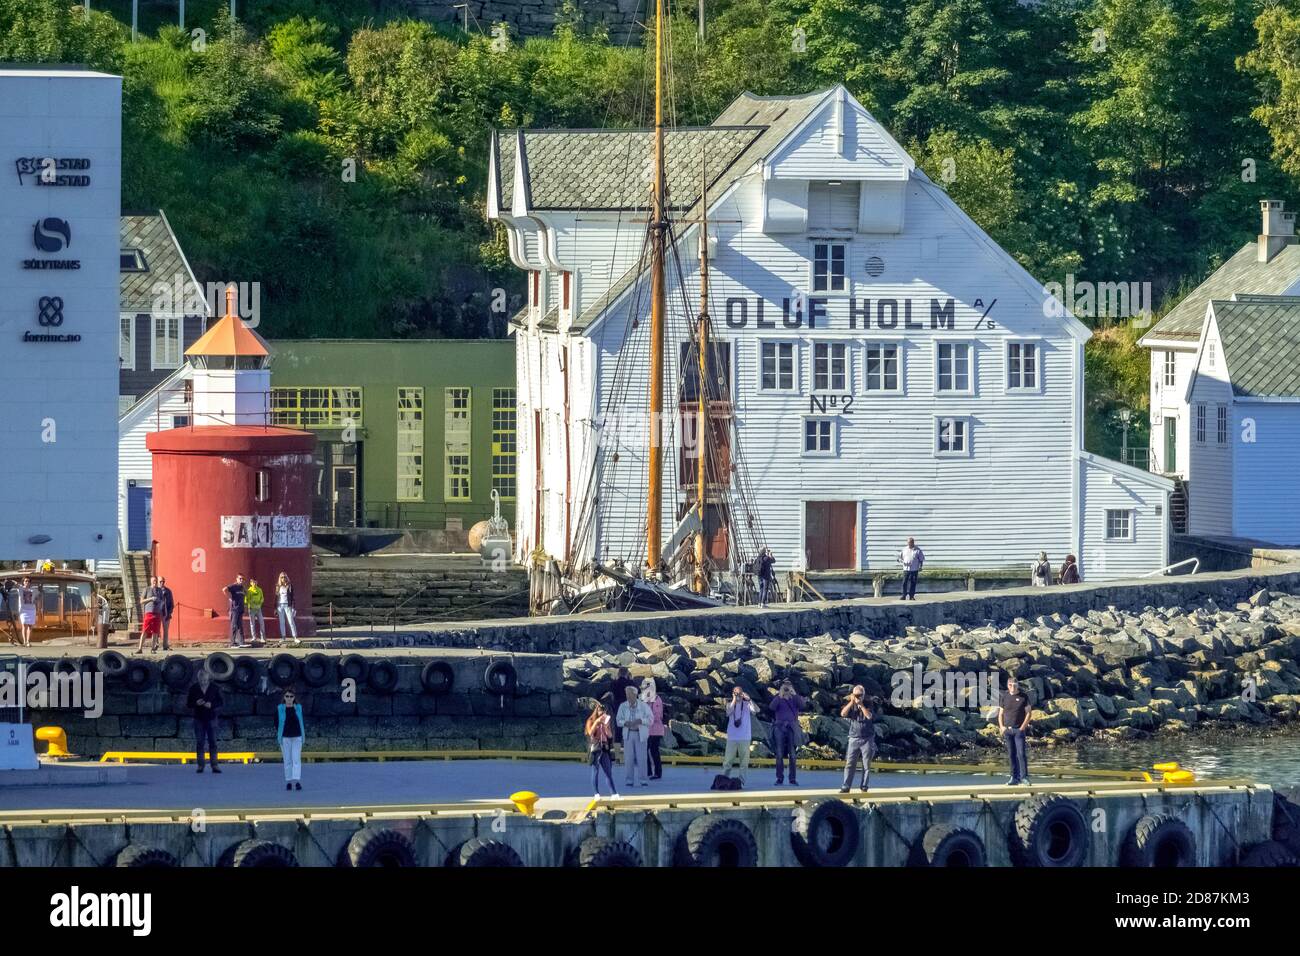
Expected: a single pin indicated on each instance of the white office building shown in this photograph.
(60, 186)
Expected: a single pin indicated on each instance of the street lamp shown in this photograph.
(1124, 416)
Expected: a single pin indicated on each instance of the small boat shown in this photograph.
(352, 542)
(616, 589)
(65, 603)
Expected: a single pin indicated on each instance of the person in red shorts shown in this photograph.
(151, 599)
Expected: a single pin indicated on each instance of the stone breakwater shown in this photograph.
(1105, 673)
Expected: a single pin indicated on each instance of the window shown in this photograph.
(828, 266)
(132, 260)
(456, 428)
(505, 450)
(953, 366)
(262, 485)
(1022, 365)
(883, 367)
(830, 366)
(777, 371)
(166, 341)
(126, 341)
(1170, 369)
(1209, 353)
(1200, 424)
(410, 444)
(180, 421)
(819, 436)
(1119, 524)
(316, 406)
(952, 436)
(1222, 430)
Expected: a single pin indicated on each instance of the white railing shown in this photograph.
(1194, 562)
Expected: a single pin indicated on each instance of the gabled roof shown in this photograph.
(1261, 345)
(1243, 273)
(164, 261)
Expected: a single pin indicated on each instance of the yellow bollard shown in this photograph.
(57, 740)
(524, 801)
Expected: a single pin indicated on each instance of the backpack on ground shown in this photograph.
(723, 782)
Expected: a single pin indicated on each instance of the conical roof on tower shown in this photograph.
(230, 336)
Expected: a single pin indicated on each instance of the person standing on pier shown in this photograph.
(1070, 570)
(766, 567)
(785, 709)
(236, 594)
(285, 611)
(166, 608)
(740, 733)
(27, 610)
(289, 733)
(912, 559)
(204, 701)
(634, 718)
(254, 598)
(1014, 711)
(861, 715)
(650, 697)
(1041, 576)
(150, 601)
(619, 694)
(600, 744)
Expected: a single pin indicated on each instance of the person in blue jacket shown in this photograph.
(290, 733)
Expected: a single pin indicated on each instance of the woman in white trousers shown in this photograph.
(290, 733)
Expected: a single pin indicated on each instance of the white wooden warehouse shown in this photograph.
(891, 370)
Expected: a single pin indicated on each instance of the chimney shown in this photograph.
(1278, 229)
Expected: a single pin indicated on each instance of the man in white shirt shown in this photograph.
(635, 718)
(740, 732)
(912, 559)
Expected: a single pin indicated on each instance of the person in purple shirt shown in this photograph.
(785, 709)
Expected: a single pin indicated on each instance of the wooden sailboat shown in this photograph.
(616, 585)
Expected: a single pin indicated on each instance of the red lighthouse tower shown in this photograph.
(231, 492)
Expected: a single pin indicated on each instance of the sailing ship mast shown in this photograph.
(658, 301)
(703, 425)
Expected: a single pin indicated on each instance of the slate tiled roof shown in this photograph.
(1243, 273)
(1261, 345)
(163, 261)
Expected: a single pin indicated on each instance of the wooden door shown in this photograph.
(830, 535)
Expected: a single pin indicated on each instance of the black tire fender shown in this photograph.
(382, 678)
(88, 664)
(1159, 840)
(67, 665)
(140, 855)
(177, 672)
(140, 675)
(221, 666)
(245, 673)
(112, 664)
(316, 670)
(262, 854)
(378, 847)
(480, 852)
(712, 840)
(1049, 830)
(825, 833)
(353, 667)
(945, 844)
(501, 678)
(283, 670)
(438, 678)
(598, 851)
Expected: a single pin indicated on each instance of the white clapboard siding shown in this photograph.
(1110, 485)
(1209, 460)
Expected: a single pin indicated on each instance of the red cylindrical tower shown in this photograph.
(231, 493)
(227, 500)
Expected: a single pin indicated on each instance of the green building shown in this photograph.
(411, 433)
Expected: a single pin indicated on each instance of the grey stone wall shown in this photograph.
(532, 17)
(363, 596)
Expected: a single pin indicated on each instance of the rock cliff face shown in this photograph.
(1109, 673)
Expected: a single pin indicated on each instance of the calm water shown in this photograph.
(1273, 759)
